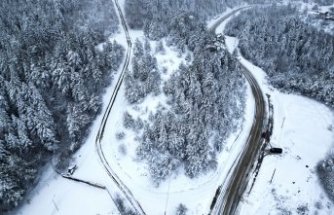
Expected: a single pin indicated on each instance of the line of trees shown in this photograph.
(153, 16)
(52, 74)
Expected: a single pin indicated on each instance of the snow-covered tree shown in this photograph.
(296, 56)
(144, 77)
(51, 78)
(181, 210)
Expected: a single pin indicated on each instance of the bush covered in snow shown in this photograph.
(51, 78)
(144, 77)
(181, 210)
(324, 2)
(130, 123)
(326, 175)
(297, 57)
(123, 208)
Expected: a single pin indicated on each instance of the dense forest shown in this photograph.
(154, 16)
(52, 74)
(205, 103)
(297, 57)
(323, 2)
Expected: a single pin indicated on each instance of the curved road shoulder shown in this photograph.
(98, 142)
(227, 201)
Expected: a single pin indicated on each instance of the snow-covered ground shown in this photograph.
(287, 183)
(56, 195)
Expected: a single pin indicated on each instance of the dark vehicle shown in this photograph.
(276, 150)
(71, 170)
(215, 198)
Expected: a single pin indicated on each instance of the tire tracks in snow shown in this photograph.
(129, 197)
(226, 202)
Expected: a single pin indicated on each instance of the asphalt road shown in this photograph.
(222, 19)
(227, 200)
(126, 193)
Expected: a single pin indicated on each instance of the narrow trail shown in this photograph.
(235, 184)
(125, 191)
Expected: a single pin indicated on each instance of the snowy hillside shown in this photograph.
(135, 107)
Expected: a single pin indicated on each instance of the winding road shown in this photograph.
(228, 201)
(214, 27)
(127, 194)
(234, 187)
(235, 184)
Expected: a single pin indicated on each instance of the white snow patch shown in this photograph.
(231, 43)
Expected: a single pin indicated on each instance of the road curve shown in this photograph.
(233, 188)
(123, 188)
(226, 16)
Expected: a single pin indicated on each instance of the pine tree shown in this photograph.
(181, 210)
